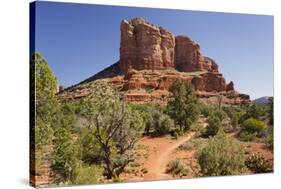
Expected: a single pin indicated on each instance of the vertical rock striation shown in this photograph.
(145, 46)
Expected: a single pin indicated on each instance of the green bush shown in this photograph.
(253, 111)
(65, 156)
(160, 123)
(205, 111)
(90, 147)
(176, 167)
(234, 114)
(88, 175)
(221, 156)
(253, 125)
(214, 124)
(258, 164)
(246, 136)
(219, 114)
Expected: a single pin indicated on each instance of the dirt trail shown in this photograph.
(161, 151)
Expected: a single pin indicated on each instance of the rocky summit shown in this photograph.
(151, 59)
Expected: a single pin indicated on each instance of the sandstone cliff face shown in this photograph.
(151, 59)
(188, 57)
(145, 46)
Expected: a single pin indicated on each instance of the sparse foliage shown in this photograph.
(115, 125)
(176, 167)
(258, 164)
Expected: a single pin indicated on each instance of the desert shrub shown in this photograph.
(176, 167)
(156, 122)
(221, 156)
(246, 136)
(253, 111)
(253, 125)
(270, 138)
(65, 156)
(183, 105)
(234, 115)
(258, 164)
(90, 147)
(214, 124)
(219, 114)
(88, 175)
(160, 123)
(205, 110)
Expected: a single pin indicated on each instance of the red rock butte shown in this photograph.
(151, 59)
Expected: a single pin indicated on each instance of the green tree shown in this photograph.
(183, 106)
(45, 85)
(115, 125)
(43, 107)
(253, 111)
(221, 156)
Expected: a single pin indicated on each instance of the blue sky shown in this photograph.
(79, 40)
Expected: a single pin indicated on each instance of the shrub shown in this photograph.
(214, 124)
(205, 111)
(246, 136)
(88, 175)
(219, 114)
(65, 156)
(253, 111)
(270, 138)
(175, 167)
(221, 156)
(253, 125)
(258, 164)
(162, 124)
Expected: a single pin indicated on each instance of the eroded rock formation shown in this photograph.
(145, 46)
(151, 59)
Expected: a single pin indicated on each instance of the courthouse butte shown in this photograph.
(151, 59)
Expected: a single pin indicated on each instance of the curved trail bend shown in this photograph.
(159, 156)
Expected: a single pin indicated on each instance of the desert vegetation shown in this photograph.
(101, 138)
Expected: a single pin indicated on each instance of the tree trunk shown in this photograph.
(109, 165)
